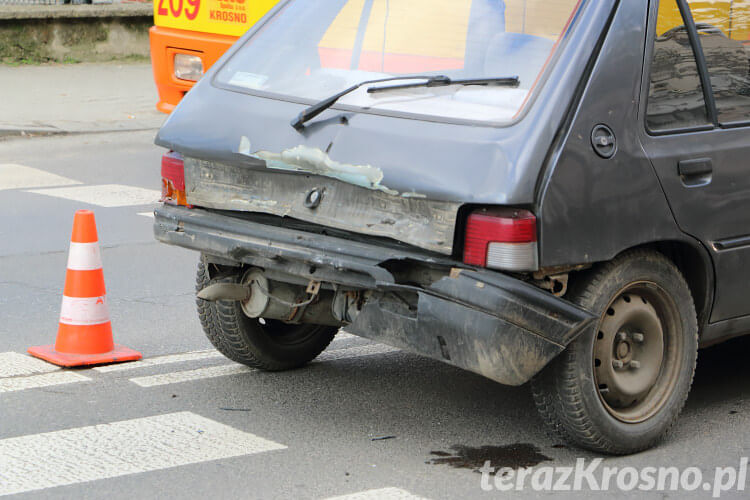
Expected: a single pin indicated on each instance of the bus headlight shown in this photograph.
(188, 67)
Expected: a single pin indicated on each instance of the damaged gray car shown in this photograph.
(553, 192)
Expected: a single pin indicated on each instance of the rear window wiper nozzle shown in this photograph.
(429, 81)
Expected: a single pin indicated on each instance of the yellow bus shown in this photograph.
(188, 37)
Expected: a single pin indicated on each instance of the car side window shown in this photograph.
(676, 94)
(724, 28)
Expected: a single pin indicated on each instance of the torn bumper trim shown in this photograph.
(482, 321)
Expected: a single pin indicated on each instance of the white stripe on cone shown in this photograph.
(84, 311)
(84, 257)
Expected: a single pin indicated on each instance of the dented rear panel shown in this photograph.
(362, 208)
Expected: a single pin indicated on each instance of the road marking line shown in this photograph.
(382, 493)
(147, 214)
(36, 381)
(190, 356)
(161, 360)
(14, 176)
(106, 195)
(14, 364)
(188, 375)
(83, 454)
(355, 352)
(234, 369)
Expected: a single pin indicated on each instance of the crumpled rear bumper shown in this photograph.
(479, 320)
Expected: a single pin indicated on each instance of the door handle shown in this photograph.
(696, 172)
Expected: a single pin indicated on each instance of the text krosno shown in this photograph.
(591, 476)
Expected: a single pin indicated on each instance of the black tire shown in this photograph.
(263, 344)
(567, 392)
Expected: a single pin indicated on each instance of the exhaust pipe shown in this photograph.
(225, 291)
(261, 298)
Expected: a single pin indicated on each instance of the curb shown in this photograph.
(9, 135)
(25, 12)
(10, 132)
(13, 133)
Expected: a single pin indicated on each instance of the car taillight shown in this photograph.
(501, 238)
(173, 179)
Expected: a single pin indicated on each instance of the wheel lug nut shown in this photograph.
(635, 364)
(621, 336)
(617, 363)
(638, 337)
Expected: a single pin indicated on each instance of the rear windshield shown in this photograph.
(313, 49)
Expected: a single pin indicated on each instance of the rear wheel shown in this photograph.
(619, 388)
(264, 344)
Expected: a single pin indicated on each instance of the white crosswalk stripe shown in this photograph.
(14, 176)
(234, 369)
(161, 360)
(19, 372)
(37, 381)
(106, 195)
(355, 352)
(189, 356)
(380, 494)
(73, 456)
(14, 364)
(188, 375)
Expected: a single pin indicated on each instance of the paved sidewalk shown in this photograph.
(77, 98)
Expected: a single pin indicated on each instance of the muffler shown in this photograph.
(261, 298)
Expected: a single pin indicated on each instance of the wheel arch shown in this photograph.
(694, 262)
(696, 266)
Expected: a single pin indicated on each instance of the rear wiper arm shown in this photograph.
(311, 112)
(444, 81)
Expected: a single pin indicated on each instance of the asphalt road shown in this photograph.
(363, 419)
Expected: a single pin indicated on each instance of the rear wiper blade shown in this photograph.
(311, 112)
(444, 81)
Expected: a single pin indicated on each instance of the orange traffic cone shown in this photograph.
(85, 333)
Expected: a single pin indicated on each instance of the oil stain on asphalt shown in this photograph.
(515, 456)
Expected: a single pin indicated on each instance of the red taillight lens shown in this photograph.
(173, 179)
(501, 238)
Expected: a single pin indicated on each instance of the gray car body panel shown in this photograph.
(591, 208)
